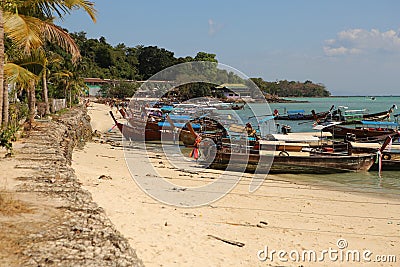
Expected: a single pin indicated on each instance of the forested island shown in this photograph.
(120, 62)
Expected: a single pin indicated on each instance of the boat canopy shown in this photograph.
(283, 143)
(167, 108)
(178, 125)
(296, 111)
(180, 117)
(355, 111)
(295, 138)
(380, 123)
(324, 125)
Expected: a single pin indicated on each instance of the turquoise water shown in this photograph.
(324, 104)
(370, 183)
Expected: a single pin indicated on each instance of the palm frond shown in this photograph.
(17, 74)
(88, 6)
(29, 33)
(59, 8)
(35, 61)
(24, 31)
(56, 35)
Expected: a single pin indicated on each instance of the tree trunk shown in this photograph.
(31, 104)
(1, 64)
(70, 97)
(5, 104)
(45, 93)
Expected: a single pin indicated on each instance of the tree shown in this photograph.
(29, 23)
(45, 60)
(203, 56)
(153, 59)
(119, 90)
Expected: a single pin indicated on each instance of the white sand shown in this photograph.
(298, 217)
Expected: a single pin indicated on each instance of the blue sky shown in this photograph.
(350, 46)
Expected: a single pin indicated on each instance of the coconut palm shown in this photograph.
(46, 60)
(72, 83)
(29, 24)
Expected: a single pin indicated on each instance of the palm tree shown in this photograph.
(72, 83)
(46, 60)
(29, 24)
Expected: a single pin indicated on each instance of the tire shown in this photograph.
(283, 154)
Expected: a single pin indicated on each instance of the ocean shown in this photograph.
(367, 183)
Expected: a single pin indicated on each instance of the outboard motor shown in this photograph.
(286, 129)
(350, 137)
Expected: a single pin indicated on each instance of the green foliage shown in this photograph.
(153, 59)
(291, 88)
(17, 111)
(119, 90)
(7, 136)
(203, 56)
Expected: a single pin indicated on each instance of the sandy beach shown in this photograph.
(280, 215)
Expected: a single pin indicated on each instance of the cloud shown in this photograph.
(360, 41)
(213, 27)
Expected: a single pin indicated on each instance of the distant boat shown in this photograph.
(356, 116)
(300, 115)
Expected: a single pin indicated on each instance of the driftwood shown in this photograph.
(230, 242)
(262, 224)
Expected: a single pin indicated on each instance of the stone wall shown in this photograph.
(75, 231)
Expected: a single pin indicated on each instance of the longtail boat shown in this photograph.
(356, 116)
(300, 115)
(390, 153)
(143, 133)
(366, 129)
(280, 157)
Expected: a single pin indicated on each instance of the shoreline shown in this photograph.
(296, 216)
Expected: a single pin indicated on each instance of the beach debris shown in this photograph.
(178, 189)
(166, 224)
(105, 177)
(104, 156)
(261, 224)
(230, 242)
(96, 134)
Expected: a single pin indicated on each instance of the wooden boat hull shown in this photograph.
(294, 164)
(338, 131)
(379, 116)
(387, 165)
(149, 134)
(295, 117)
